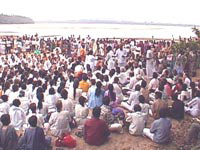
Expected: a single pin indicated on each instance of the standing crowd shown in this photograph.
(51, 86)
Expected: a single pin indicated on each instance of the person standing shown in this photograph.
(149, 63)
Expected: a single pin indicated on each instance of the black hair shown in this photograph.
(16, 102)
(96, 112)
(137, 108)
(32, 107)
(155, 75)
(175, 96)
(52, 91)
(82, 100)
(158, 95)
(106, 100)
(64, 94)
(98, 89)
(4, 98)
(163, 112)
(84, 77)
(32, 121)
(15, 88)
(141, 99)
(111, 93)
(75, 86)
(5, 119)
(59, 106)
(40, 97)
(137, 87)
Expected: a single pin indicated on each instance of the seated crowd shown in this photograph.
(51, 93)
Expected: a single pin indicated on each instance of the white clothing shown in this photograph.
(194, 107)
(17, 117)
(137, 120)
(149, 63)
(154, 84)
(81, 114)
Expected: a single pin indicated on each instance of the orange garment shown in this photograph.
(82, 54)
(84, 85)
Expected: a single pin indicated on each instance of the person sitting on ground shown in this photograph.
(193, 133)
(96, 131)
(95, 96)
(17, 115)
(4, 106)
(34, 137)
(108, 117)
(154, 83)
(160, 128)
(193, 107)
(67, 102)
(32, 111)
(136, 120)
(59, 121)
(177, 109)
(112, 96)
(157, 105)
(8, 135)
(145, 107)
(81, 112)
(133, 99)
(83, 84)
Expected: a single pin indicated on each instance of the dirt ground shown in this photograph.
(125, 141)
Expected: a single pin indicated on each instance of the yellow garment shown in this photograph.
(84, 85)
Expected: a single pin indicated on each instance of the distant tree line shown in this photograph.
(14, 19)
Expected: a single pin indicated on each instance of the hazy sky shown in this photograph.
(171, 11)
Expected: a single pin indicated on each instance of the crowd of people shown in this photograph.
(49, 86)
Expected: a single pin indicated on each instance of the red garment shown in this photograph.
(95, 131)
(168, 90)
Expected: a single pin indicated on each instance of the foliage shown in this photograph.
(187, 45)
(196, 31)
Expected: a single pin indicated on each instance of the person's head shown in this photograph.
(23, 86)
(184, 87)
(84, 77)
(59, 106)
(40, 96)
(5, 119)
(143, 84)
(175, 96)
(96, 112)
(4, 98)
(163, 112)
(15, 88)
(141, 99)
(21, 94)
(51, 91)
(116, 80)
(137, 87)
(155, 75)
(16, 102)
(32, 107)
(33, 121)
(110, 88)
(64, 94)
(137, 108)
(158, 95)
(93, 81)
(82, 100)
(106, 100)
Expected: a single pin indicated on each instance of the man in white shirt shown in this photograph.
(133, 99)
(121, 57)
